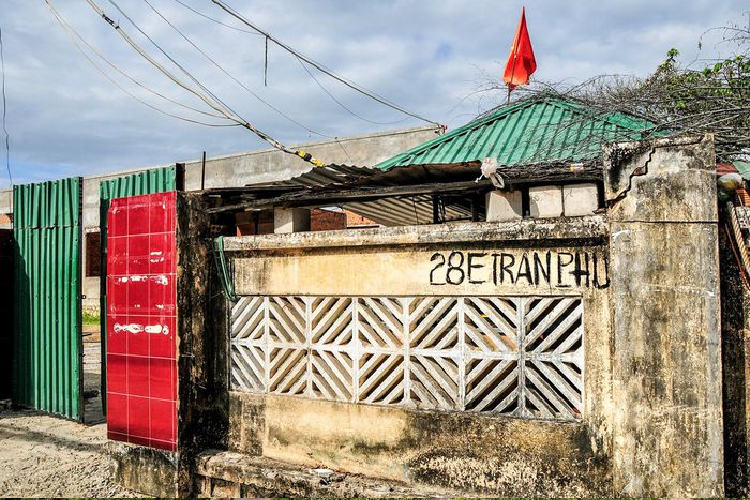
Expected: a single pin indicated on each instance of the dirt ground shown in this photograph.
(44, 456)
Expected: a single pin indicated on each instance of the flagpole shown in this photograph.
(512, 74)
(517, 40)
(512, 71)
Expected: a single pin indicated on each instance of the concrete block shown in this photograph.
(290, 220)
(545, 201)
(503, 206)
(580, 199)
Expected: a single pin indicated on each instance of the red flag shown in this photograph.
(521, 63)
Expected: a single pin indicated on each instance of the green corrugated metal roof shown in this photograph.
(532, 131)
(743, 168)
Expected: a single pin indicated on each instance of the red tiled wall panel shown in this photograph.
(142, 320)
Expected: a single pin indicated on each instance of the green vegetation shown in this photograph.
(91, 319)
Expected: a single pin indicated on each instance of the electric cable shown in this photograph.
(70, 32)
(233, 78)
(5, 129)
(334, 99)
(349, 83)
(171, 59)
(216, 20)
(213, 103)
(69, 28)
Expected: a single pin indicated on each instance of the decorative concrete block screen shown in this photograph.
(514, 356)
(142, 320)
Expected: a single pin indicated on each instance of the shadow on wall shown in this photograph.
(735, 302)
(6, 312)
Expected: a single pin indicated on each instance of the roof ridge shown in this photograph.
(605, 115)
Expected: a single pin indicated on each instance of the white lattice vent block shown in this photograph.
(515, 356)
(381, 378)
(287, 319)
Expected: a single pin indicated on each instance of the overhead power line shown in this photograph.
(203, 94)
(171, 59)
(5, 129)
(352, 85)
(188, 7)
(72, 32)
(341, 104)
(233, 78)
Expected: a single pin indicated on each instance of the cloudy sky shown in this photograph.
(66, 119)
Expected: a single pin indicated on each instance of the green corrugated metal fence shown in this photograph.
(158, 180)
(47, 371)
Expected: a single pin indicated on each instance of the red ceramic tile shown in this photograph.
(117, 249)
(136, 333)
(138, 417)
(163, 445)
(117, 295)
(162, 379)
(138, 299)
(117, 436)
(161, 256)
(138, 218)
(163, 418)
(160, 217)
(117, 218)
(117, 413)
(170, 291)
(141, 319)
(138, 254)
(116, 374)
(170, 200)
(138, 376)
(162, 344)
(160, 287)
(139, 440)
(116, 337)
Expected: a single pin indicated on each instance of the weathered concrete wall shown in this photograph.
(463, 451)
(153, 472)
(258, 477)
(667, 342)
(202, 395)
(6, 201)
(651, 422)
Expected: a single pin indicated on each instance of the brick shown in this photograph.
(327, 220)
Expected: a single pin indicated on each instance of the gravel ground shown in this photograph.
(43, 456)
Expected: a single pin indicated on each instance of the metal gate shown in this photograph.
(47, 367)
(157, 180)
